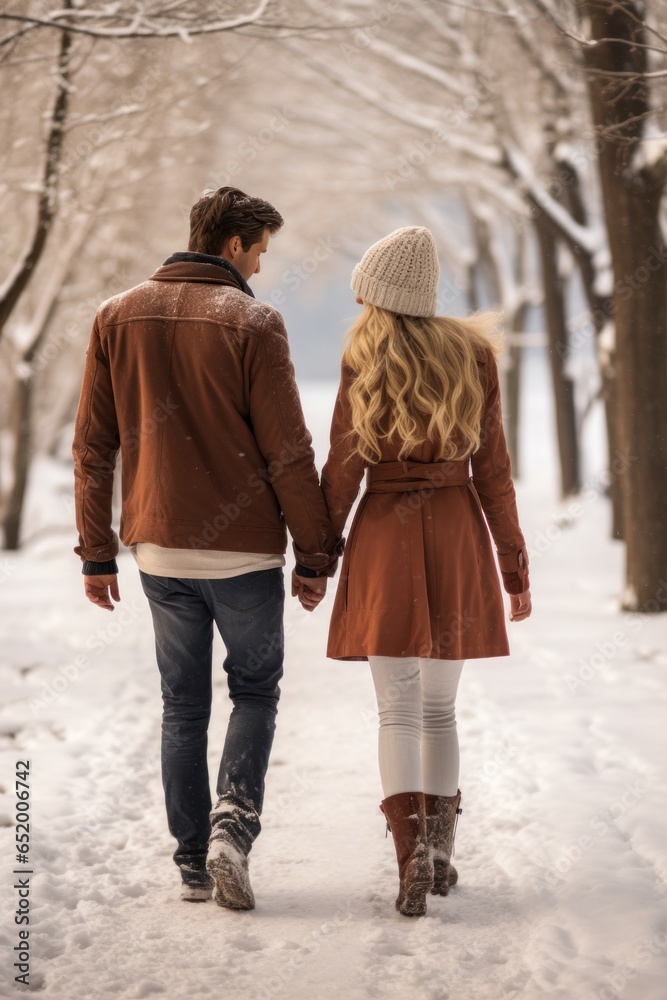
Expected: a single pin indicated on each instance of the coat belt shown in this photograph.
(399, 476)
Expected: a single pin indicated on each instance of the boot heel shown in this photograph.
(229, 870)
(417, 882)
(444, 877)
(442, 813)
(404, 813)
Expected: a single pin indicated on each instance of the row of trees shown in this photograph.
(88, 137)
(548, 121)
(548, 118)
(529, 136)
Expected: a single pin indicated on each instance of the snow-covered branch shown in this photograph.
(455, 84)
(536, 52)
(401, 111)
(135, 24)
(575, 234)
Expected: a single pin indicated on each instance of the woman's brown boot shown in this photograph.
(405, 818)
(441, 815)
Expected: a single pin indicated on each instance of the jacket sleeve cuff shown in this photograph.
(305, 570)
(91, 568)
(318, 563)
(514, 570)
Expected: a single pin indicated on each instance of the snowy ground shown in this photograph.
(560, 848)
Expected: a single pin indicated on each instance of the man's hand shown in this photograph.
(98, 589)
(521, 606)
(309, 589)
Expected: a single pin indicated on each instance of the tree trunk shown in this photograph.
(614, 490)
(473, 291)
(513, 390)
(22, 436)
(24, 385)
(486, 286)
(557, 333)
(601, 310)
(631, 195)
(19, 278)
(517, 323)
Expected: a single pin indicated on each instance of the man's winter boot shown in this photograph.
(196, 884)
(229, 869)
(442, 812)
(404, 813)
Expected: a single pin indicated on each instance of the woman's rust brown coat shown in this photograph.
(418, 576)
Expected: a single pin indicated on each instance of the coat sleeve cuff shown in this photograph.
(514, 570)
(91, 568)
(513, 583)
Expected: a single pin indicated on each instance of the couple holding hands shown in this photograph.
(212, 483)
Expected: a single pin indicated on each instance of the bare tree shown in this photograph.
(571, 214)
(16, 282)
(116, 24)
(22, 398)
(476, 128)
(76, 191)
(633, 173)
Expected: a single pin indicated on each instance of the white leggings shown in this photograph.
(418, 746)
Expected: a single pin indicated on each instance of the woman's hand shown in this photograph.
(521, 606)
(310, 590)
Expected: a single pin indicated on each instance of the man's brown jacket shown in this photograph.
(191, 379)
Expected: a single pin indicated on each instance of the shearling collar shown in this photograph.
(189, 257)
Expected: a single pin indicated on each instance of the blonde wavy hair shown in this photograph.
(421, 374)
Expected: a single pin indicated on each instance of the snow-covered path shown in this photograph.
(560, 847)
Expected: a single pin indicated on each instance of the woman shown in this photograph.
(418, 593)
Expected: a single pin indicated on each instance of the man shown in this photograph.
(191, 379)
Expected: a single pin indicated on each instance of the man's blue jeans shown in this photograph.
(248, 612)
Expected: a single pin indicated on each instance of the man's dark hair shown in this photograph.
(227, 212)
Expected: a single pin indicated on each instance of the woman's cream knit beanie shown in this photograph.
(400, 273)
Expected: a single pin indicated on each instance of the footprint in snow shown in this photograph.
(82, 938)
(37, 982)
(246, 942)
(87, 855)
(392, 949)
(147, 987)
(153, 934)
(132, 815)
(133, 890)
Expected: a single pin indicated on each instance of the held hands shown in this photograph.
(310, 590)
(99, 588)
(520, 606)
